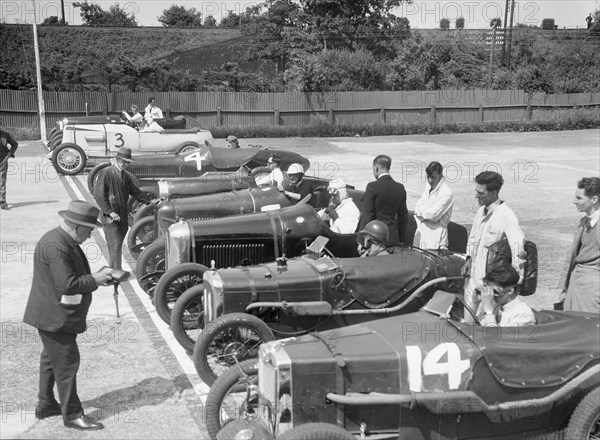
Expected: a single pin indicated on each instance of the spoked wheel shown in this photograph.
(585, 420)
(68, 159)
(226, 340)
(142, 233)
(151, 264)
(172, 284)
(187, 317)
(229, 398)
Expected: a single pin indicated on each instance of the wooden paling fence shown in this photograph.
(20, 109)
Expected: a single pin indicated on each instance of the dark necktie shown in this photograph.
(485, 211)
(587, 224)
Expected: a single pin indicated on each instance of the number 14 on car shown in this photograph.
(432, 364)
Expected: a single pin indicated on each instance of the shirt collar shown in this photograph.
(491, 208)
(69, 231)
(383, 174)
(513, 304)
(594, 218)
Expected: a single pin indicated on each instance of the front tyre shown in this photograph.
(585, 420)
(227, 339)
(93, 175)
(186, 147)
(69, 159)
(142, 233)
(151, 264)
(173, 283)
(316, 431)
(187, 317)
(226, 400)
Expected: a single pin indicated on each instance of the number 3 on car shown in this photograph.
(432, 365)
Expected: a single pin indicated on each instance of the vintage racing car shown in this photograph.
(424, 375)
(248, 305)
(80, 142)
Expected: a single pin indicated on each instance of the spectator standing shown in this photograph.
(433, 210)
(342, 213)
(589, 19)
(385, 200)
(59, 300)
(500, 301)
(5, 153)
(153, 110)
(581, 284)
(493, 221)
(111, 192)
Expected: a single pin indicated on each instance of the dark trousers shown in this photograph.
(3, 177)
(115, 233)
(59, 364)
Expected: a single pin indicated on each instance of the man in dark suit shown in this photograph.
(60, 297)
(385, 200)
(5, 153)
(111, 192)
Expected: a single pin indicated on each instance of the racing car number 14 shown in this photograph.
(432, 365)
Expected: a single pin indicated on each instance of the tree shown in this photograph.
(460, 23)
(444, 24)
(231, 20)
(53, 20)
(180, 16)
(210, 22)
(496, 22)
(93, 15)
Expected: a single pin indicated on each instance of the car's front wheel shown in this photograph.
(140, 235)
(227, 340)
(227, 399)
(585, 420)
(187, 317)
(151, 265)
(316, 431)
(186, 147)
(93, 175)
(173, 283)
(69, 159)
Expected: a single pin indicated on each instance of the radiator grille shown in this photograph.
(150, 171)
(198, 218)
(230, 255)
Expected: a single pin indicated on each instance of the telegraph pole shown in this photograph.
(62, 10)
(512, 14)
(504, 24)
(491, 66)
(38, 72)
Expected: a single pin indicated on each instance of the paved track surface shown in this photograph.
(135, 377)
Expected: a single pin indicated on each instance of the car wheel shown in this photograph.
(226, 340)
(316, 431)
(151, 264)
(140, 235)
(585, 420)
(187, 317)
(226, 400)
(93, 175)
(69, 159)
(186, 147)
(173, 283)
(143, 211)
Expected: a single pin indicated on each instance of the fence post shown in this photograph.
(528, 112)
(169, 113)
(219, 121)
(330, 115)
(432, 114)
(382, 115)
(276, 116)
(481, 120)
(105, 111)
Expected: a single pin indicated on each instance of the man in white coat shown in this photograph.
(493, 221)
(433, 210)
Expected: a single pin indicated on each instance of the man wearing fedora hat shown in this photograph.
(59, 300)
(111, 192)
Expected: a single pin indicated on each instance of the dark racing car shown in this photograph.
(424, 375)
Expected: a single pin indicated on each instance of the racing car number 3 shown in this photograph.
(432, 365)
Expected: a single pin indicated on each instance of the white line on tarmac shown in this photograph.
(178, 351)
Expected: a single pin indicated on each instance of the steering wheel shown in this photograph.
(461, 302)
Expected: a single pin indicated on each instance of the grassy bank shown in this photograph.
(551, 120)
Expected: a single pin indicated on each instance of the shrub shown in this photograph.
(548, 24)
(460, 23)
(444, 24)
(496, 22)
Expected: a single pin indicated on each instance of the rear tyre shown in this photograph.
(69, 159)
(151, 264)
(142, 232)
(186, 147)
(187, 317)
(585, 420)
(226, 400)
(173, 283)
(316, 431)
(231, 337)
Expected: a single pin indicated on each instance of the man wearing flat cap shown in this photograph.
(342, 213)
(60, 297)
(111, 192)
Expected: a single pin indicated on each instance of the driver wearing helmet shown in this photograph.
(342, 213)
(296, 188)
(373, 238)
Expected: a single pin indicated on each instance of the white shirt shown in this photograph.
(153, 127)
(349, 215)
(515, 313)
(594, 218)
(276, 178)
(435, 206)
(155, 112)
(499, 222)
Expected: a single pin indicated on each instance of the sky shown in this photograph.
(422, 14)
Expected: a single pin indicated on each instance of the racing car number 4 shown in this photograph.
(196, 157)
(432, 365)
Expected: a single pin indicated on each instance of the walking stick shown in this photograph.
(116, 297)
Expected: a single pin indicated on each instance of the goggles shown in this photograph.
(332, 191)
